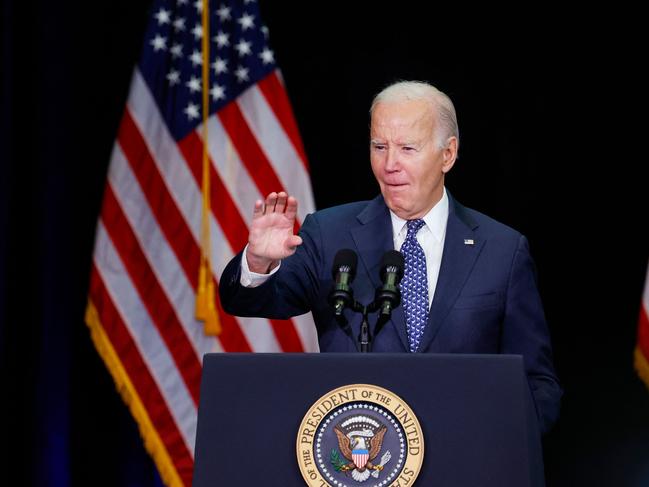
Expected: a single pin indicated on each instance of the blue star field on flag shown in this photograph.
(172, 62)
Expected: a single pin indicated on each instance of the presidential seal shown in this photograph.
(360, 435)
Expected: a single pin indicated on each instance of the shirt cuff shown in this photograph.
(253, 279)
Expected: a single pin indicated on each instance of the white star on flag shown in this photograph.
(222, 39)
(194, 84)
(159, 43)
(267, 56)
(173, 77)
(197, 31)
(242, 74)
(196, 58)
(162, 16)
(243, 47)
(224, 13)
(246, 22)
(220, 66)
(192, 111)
(179, 24)
(176, 50)
(217, 92)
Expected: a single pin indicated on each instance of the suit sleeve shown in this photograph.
(525, 332)
(289, 292)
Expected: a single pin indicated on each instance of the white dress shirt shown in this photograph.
(430, 237)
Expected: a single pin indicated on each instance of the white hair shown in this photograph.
(443, 109)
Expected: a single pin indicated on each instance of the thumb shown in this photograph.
(293, 241)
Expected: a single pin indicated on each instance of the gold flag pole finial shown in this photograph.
(205, 295)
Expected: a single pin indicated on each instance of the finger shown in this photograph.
(291, 207)
(271, 199)
(281, 202)
(258, 210)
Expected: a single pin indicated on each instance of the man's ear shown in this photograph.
(449, 154)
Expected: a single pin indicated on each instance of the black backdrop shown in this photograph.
(546, 103)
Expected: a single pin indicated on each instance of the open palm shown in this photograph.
(271, 233)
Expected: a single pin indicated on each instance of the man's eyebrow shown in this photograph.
(400, 144)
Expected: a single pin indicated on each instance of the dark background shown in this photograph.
(548, 105)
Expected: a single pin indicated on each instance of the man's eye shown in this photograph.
(408, 148)
(379, 147)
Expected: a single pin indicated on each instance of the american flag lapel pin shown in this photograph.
(468, 241)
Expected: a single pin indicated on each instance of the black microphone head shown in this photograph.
(345, 260)
(392, 260)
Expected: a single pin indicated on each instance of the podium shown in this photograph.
(476, 415)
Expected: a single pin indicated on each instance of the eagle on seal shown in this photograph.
(360, 450)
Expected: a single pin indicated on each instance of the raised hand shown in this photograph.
(271, 233)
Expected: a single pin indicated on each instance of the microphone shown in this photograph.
(388, 296)
(343, 272)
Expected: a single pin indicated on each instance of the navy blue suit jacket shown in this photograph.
(486, 299)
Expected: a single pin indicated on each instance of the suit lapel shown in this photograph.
(458, 259)
(373, 238)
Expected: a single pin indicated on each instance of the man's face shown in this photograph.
(406, 160)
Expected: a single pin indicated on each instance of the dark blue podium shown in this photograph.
(476, 415)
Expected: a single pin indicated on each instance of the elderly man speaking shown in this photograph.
(469, 283)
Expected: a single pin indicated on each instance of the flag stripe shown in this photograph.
(287, 335)
(645, 292)
(153, 297)
(250, 152)
(277, 148)
(140, 375)
(159, 254)
(307, 332)
(227, 164)
(150, 344)
(224, 209)
(643, 330)
(131, 397)
(171, 222)
(277, 98)
(165, 154)
(643, 325)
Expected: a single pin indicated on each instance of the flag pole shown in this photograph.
(206, 295)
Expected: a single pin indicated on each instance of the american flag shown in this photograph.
(144, 279)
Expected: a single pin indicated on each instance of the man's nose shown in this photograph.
(392, 160)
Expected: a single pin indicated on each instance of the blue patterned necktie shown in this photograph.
(414, 285)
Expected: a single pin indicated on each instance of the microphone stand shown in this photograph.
(387, 297)
(364, 339)
(365, 335)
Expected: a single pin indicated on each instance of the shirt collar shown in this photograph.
(435, 219)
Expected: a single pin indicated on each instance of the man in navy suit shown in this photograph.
(469, 284)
